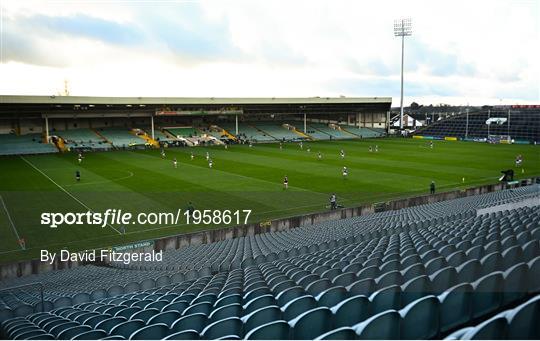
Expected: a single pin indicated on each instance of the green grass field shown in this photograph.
(242, 178)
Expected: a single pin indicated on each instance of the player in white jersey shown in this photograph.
(376, 148)
(192, 156)
(207, 156)
(285, 182)
(345, 172)
(210, 163)
(175, 163)
(342, 153)
(80, 157)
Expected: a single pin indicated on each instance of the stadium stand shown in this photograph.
(325, 129)
(417, 273)
(120, 137)
(183, 131)
(524, 125)
(83, 138)
(278, 131)
(248, 132)
(11, 144)
(365, 132)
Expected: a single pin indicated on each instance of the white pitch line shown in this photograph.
(64, 190)
(11, 221)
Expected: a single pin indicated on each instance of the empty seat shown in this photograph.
(311, 324)
(382, 326)
(156, 331)
(420, 319)
(523, 321)
(228, 326)
(487, 294)
(455, 306)
(343, 333)
(276, 330)
(493, 329)
(189, 334)
(127, 328)
(351, 311)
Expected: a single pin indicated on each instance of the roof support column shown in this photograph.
(46, 129)
(305, 123)
(236, 124)
(152, 122)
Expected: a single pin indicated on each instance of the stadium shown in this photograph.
(256, 217)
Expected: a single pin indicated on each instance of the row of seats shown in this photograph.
(520, 323)
(11, 144)
(91, 282)
(452, 273)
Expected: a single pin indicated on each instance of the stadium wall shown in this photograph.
(35, 266)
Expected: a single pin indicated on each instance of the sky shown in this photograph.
(461, 52)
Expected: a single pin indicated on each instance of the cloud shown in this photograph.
(459, 49)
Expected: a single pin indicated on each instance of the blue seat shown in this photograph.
(496, 328)
(298, 306)
(311, 324)
(343, 333)
(515, 283)
(167, 317)
(469, 271)
(523, 321)
(91, 335)
(73, 331)
(351, 311)
(156, 331)
(276, 330)
(259, 302)
(420, 319)
(261, 316)
(364, 286)
(534, 275)
(332, 296)
(385, 299)
(127, 328)
(228, 326)
(382, 326)
(487, 294)
(195, 322)
(145, 315)
(443, 279)
(455, 306)
(188, 334)
(414, 289)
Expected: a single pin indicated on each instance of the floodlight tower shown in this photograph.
(402, 28)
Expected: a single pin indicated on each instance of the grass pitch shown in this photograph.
(241, 178)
